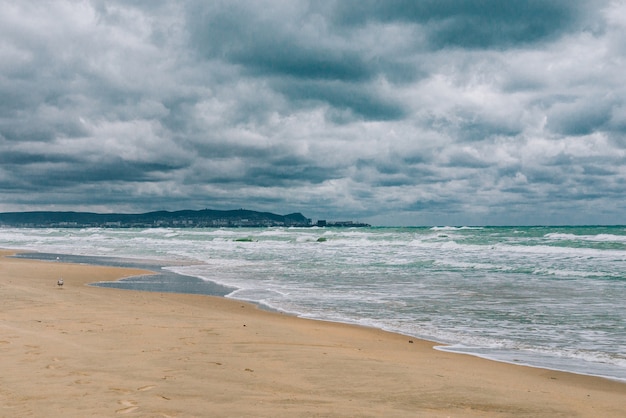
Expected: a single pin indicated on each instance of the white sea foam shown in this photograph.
(597, 238)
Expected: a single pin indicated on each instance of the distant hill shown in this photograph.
(183, 218)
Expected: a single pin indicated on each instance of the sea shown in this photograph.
(550, 297)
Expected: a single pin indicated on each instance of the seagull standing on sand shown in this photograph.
(60, 282)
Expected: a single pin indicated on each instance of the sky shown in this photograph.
(431, 112)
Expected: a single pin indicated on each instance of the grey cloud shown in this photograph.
(273, 44)
(396, 173)
(598, 170)
(302, 56)
(55, 174)
(580, 117)
(21, 158)
(449, 205)
(467, 160)
(479, 128)
(342, 96)
(429, 111)
(473, 24)
(288, 174)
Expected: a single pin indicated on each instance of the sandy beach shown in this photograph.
(84, 351)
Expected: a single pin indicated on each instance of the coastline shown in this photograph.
(84, 350)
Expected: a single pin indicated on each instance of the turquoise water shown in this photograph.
(552, 297)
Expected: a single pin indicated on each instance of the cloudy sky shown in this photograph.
(431, 112)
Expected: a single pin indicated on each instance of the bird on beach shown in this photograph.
(60, 282)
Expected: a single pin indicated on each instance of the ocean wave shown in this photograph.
(559, 236)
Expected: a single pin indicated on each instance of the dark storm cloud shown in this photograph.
(473, 24)
(19, 159)
(288, 173)
(341, 96)
(580, 117)
(398, 111)
(271, 43)
(300, 52)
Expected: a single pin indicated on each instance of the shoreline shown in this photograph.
(155, 269)
(98, 351)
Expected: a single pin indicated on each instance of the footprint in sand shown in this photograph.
(34, 350)
(127, 410)
(53, 365)
(82, 382)
(130, 406)
(121, 390)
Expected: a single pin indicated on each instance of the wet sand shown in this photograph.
(79, 350)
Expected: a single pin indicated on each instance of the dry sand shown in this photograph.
(82, 351)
